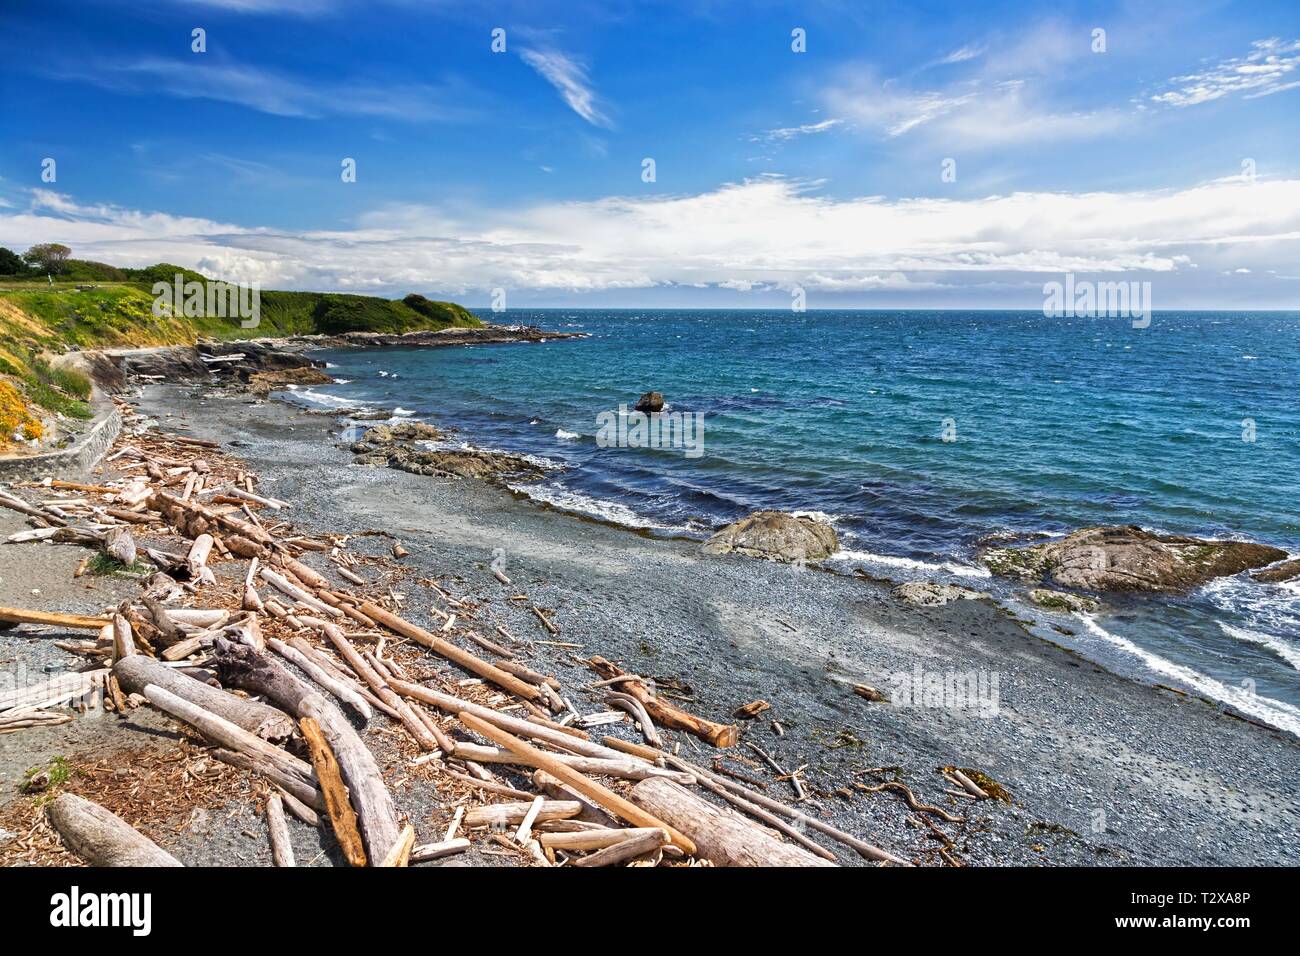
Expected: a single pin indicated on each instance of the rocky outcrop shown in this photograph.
(237, 363)
(402, 432)
(1286, 571)
(928, 594)
(396, 446)
(1062, 601)
(482, 335)
(650, 403)
(1129, 558)
(776, 536)
(263, 383)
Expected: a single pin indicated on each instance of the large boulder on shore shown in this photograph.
(1129, 558)
(777, 536)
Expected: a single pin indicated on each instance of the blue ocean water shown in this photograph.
(1058, 423)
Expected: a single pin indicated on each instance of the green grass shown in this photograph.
(104, 564)
(44, 782)
(96, 305)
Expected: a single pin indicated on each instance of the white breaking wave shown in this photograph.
(893, 561)
(610, 511)
(817, 516)
(561, 434)
(400, 412)
(1288, 652)
(326, 400)
(1275, 713)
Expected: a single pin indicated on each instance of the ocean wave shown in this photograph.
(566, 499)
(325, 399)
(821, 516)
(894, 561)
(1288, 652)
(562, 435)
(1275, 713)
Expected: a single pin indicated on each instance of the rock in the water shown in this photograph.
(1129, 558)
(1061, 601)
(1285, 571)
(927, 594)
(650, 402)
(776, 536)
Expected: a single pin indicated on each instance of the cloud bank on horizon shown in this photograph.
(936, 162)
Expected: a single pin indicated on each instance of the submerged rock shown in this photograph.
(1285, 571)
(1061, 601)
(650, 402)
(776, 536)
(1129, 558)
(928, 594)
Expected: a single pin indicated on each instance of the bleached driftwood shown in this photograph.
(102, 838)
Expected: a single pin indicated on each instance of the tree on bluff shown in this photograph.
(49, 257)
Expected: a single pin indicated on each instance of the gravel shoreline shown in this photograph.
(1101, 770)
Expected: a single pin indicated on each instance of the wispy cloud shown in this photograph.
(267, 91)
(887, 106)
(962, 54)
(291, 7)
(767, 233)
(1014, 93)
(786, 133)
(570, 79)
(1270, 67)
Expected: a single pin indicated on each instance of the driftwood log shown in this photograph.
(240, 666)
(457, 655)
(594, 791)
(508, 814)
(639, 844)
(137, 672)
(83, 622)
(277, 828)
(223, 732)
(343, 818)
(102, 838)
(664, 713)
(721, 837)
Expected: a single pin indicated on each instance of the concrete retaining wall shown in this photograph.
(72, 462)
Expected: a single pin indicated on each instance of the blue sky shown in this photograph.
(774, 169)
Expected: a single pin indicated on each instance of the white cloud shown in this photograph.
(294, 7)
(268, 91)
(962, 54)
(886, 106)
(1270, 67)
(790, 132)
(763, 234)
(570, 79)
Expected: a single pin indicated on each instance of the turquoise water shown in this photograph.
(1054, 424)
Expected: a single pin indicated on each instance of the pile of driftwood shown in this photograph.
(276, 648)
